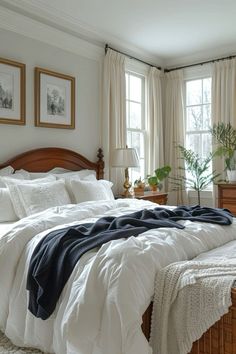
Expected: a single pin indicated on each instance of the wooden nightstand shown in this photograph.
(227, 196)
(155, 197)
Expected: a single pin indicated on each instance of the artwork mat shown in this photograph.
(43, 78)
(17, 71)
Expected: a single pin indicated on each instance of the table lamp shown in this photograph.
(125, 157)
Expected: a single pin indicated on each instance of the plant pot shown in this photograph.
(138, 191)
(153, 188)
(231, 175)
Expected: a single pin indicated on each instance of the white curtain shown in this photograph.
(174, 128)
(114, 113)
(154, 120)
(223, 102)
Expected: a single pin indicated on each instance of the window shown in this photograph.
(135, 116)
(198, 116)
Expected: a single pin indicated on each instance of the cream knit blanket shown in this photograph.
(189, 298)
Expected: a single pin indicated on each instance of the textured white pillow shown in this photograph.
(7, 212)
(91, 190)
(18, 207)
(31, 198)
(6, 171)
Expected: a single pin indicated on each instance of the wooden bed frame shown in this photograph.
(43, 160)
(221, 337)
(218, 339)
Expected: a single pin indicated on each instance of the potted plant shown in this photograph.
(225, 136)
(139, 185)
(160, 174)
(197, 175)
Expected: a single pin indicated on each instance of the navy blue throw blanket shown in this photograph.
(56, 255)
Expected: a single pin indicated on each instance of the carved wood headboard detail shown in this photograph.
(43, 160)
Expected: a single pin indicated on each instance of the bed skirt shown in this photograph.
(218, 339)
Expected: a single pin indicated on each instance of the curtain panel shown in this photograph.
(223, 103)
(174, 129)
(114, 114)
(154, 121)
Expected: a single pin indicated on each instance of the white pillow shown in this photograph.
(57, 172)
(19, 179)
(84, 191)
(68, 178)
(78, 174)
(12, 178)
(31, 198)
(7, 212)
(6, 171)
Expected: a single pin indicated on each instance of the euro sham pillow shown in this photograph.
(5, 179)
(32, 198)
(58, 172)
(84, 191)
(7, 212)
(6, 171)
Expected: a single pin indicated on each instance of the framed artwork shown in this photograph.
(54, 99)
(12, 92)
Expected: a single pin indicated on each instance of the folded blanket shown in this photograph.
(189, 298)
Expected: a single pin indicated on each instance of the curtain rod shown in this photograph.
(130, 56)
(201, 63)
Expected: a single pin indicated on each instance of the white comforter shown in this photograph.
(100, 309)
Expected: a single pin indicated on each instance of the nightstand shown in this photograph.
(155, 197)
(227, 196)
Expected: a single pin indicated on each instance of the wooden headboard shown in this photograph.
(43, 160)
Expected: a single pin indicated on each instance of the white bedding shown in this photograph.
(5, 226)
(100, 309)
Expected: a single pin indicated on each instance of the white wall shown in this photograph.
(86, 137)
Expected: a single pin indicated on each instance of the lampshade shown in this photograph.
(125, 157)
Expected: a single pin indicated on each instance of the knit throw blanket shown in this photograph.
(189, 298)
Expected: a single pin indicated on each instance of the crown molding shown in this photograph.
(20, 24)
(53, 17)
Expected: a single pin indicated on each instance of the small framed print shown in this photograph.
(54, 99)
(12, 92)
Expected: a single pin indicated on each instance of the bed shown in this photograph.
(115, 325)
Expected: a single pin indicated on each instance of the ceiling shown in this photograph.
(172, 32)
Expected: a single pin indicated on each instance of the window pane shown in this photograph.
(206, 144)
(194, 92)
(193, 142)
(135, 115)
(136, 173)
(127, 114)
(206, 116)
(129, 139)
(194, 118)
(135, 88)
(127, 85)
(206, 90)
(136, 142)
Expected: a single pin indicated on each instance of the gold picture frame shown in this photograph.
(12, 92)
(54, 99)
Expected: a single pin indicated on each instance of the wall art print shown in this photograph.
(54, 99)
(12, 92)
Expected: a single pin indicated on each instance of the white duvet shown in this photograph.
(100, 309)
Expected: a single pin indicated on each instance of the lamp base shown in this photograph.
(127, 185)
